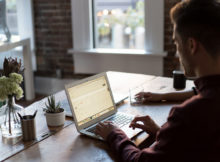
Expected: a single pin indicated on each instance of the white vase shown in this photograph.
(55, 119)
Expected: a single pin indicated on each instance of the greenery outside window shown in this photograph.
(95, 48)
(119, 25)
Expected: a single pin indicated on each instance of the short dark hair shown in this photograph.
(199, 19)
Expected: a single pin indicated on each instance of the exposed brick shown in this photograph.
(53, 34)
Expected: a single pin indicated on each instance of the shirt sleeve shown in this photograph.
(167, 139)
(122, 146)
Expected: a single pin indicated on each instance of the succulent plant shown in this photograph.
(51, 106)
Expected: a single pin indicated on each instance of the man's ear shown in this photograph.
(193, 45)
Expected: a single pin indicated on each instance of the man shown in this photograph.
(192, 130)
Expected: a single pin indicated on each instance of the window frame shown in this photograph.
(83, 41)
(25, 27)
(25, 20)
(82, 21)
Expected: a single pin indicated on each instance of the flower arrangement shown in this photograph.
(11, 79)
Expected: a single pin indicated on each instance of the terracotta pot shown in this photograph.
(55, 119)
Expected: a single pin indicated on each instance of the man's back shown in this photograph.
(192, 132)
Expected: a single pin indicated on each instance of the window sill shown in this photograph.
(101, 51)
(134, 61)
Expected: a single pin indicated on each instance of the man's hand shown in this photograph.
(147, 124)
(103, 129)
(149, 97)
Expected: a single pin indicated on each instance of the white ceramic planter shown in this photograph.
(55, 119)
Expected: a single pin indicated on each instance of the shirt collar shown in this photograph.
(207, 81)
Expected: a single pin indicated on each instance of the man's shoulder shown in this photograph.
(190, 106)
(193, 103)
(196, 106)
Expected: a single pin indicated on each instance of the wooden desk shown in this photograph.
(68, 145)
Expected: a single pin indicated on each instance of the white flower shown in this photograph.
(11, 86)
(16, 77)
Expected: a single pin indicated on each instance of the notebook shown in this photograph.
(91, 101)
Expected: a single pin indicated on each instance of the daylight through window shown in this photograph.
(119, 24)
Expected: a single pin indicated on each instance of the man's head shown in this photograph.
(196, 28)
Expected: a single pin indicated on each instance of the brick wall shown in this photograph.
(53, 36)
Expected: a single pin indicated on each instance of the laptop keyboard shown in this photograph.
(120, 120)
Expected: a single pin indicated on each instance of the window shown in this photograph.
(83, 28)
(119, 24)
(8, 19)
(17, 14)
(11, 16)
(89, 35)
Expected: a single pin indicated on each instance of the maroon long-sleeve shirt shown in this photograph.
(191, 133)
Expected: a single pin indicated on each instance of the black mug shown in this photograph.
(179, 79)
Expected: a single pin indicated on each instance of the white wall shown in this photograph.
(96, 63)
(48, 86)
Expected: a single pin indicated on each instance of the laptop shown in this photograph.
(91, 101)
(118, 99)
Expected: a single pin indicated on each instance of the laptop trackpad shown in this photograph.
(131, 132)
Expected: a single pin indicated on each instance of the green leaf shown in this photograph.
(51, 106)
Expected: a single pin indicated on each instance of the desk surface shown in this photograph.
(68, 145)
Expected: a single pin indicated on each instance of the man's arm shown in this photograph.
(168, 138)
(178, 96)
(170, 96)
(122, 146)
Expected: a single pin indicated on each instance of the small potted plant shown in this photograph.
(55, 115)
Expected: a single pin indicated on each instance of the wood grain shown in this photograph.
(69, 145)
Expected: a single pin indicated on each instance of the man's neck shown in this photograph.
(208, 66)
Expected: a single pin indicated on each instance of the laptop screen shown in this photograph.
(91, 99)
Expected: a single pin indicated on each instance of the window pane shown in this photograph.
(11, 12)
(8, 19)
(119, 24)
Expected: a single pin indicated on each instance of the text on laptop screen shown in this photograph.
(91, 100)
